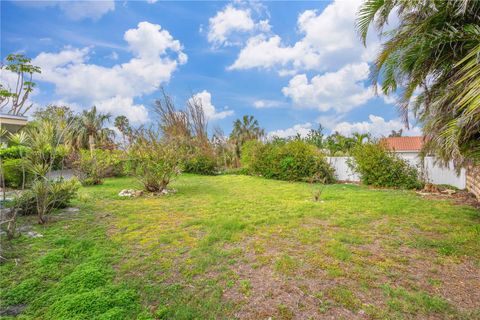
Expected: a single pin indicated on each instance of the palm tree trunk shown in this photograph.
(91, 142)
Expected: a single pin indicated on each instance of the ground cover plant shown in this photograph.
(232, 246)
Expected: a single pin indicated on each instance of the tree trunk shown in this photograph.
(91, 142)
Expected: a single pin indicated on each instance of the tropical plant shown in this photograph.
(13, 100)
(245, 129)
(45, 196)
(45, 140)
(432, 59)
(123, 125)
(90, 130)
(339, 145)
(359, 138)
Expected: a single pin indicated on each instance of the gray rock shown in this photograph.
(33, 234)
(130, 193)
(12, 311)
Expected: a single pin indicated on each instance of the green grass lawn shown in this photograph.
(229, 247)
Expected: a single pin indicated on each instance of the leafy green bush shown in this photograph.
(14, 152)
(92, 168)
(12, 172)
(153, 160)
(201, 163)
(55, 194)
(381, 168)
(293, 160)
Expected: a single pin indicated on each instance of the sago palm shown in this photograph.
(431, 60)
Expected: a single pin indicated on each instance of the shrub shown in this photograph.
(153, 161)
(381, 168)
(201, 163)
(14, 152)
(12, 172)
(293, 160)
(47, 195)
(92, 168)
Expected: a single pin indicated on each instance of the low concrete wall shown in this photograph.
(432, 173)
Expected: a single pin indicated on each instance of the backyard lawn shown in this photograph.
(227, 247)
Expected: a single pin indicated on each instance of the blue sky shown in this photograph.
(292, 65)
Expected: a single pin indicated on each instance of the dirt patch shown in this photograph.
(262, 292)
(459, 197)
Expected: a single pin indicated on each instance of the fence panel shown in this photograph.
(433, 173)
(342, 170)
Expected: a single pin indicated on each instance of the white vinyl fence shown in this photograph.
(432, 173)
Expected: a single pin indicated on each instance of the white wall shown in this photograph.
(433, 173)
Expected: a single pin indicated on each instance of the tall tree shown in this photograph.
(90, 129)
(244, 130)
(13, 100)
(434, 50)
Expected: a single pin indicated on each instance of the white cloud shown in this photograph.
(262, 104)
(329, 42)
(376, 126)
(341, 90)
(301, 129)
(136, 113)
(75, 9)
(156, 55)
(226, 22)
(205, 98)
(227, 26)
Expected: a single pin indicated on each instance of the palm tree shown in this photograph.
(360, 137)
(90, 129)
(123, 125)
(435, 50)
(245, 130)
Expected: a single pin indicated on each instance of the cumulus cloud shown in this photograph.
(301, 129)
(205, 98)
(228, 23)
(156, 55)
(75, 9)
(341, 90)
(376, 126)
(329, 42)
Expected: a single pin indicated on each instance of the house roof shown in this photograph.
(11, 119)
(404, 143)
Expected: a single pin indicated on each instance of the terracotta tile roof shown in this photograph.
(404, 143)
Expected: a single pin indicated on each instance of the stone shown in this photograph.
(130, 193)
(33, 234)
